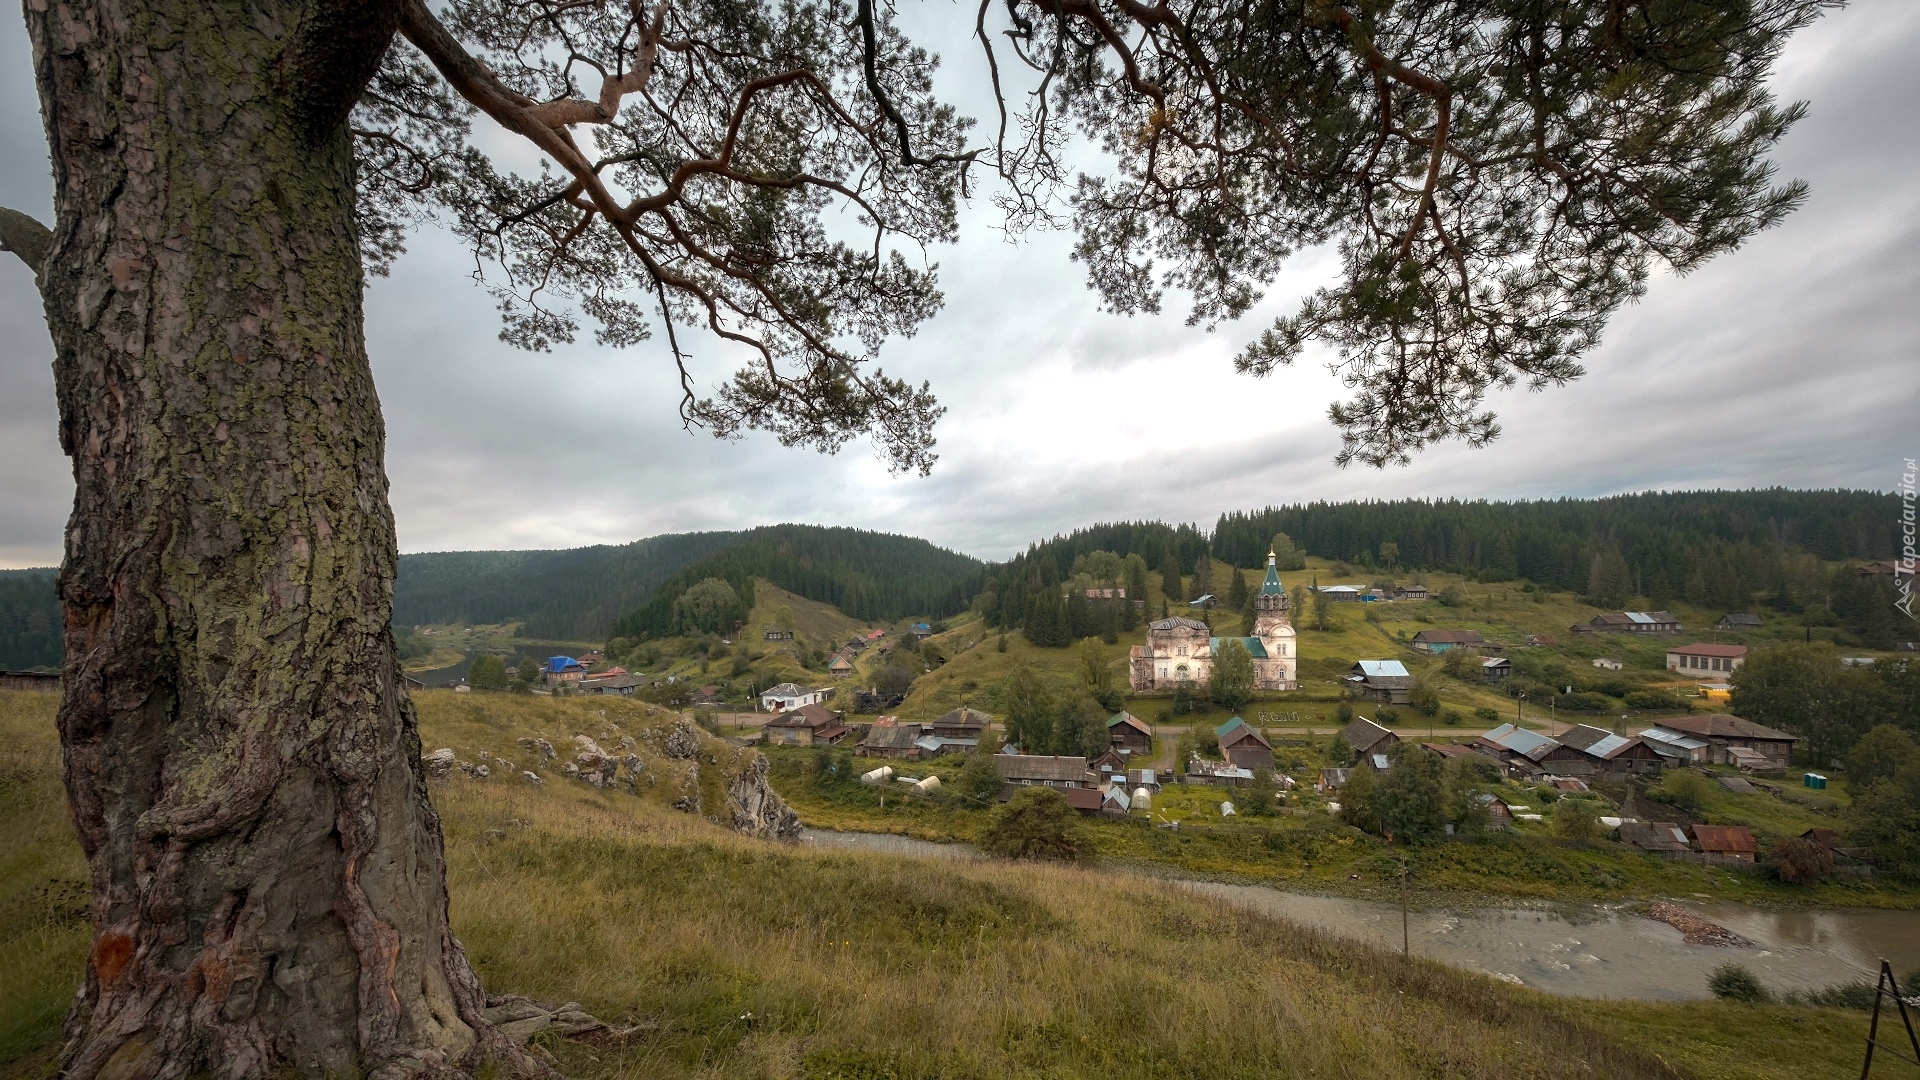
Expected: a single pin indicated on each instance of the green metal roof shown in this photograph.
(1254, 646)
(1221, 731)
(1272, 584)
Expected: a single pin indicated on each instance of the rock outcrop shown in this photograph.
(685, 761)
(757, 809)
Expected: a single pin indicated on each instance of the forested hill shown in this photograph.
(568, 595)
(870, 576)
(1709, 546)
(29, 620)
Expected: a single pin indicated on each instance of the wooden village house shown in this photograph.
(1614, 755)
(1128, 732)
(1386, 681)
(1735, 741)
(809, 725)
(1243, 746)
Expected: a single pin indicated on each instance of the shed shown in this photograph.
(1611, 753)
(1730, 841)
(1499, 813)
(1676, 746)
(1086, 800)
(1440, 641)
(1218, 773)
(1367, 737)
(1732, 621)
(961, 723)
(1531, 753)
(1244, 746)
(1661, 836)
(1382, 680)
(1127, 730)
(1037, 769)
(893, 740)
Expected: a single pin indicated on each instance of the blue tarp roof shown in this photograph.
(562, 663)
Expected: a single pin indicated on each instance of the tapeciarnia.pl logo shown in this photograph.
(1903, 569)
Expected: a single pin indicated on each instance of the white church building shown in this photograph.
(1181, 650)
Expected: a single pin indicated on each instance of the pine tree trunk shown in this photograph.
(239, 750)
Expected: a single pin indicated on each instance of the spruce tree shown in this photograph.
(1170, 578)
(1080, 622)
(1239, 594)
(1202, 576)
(1136, 577)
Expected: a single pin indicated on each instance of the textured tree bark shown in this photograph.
(239, 751)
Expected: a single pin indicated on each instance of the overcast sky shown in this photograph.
(1790, 362)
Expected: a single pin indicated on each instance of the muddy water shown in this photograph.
(1592, 951)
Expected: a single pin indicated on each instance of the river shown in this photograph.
(1580, 951)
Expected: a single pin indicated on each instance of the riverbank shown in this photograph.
(1581, 950)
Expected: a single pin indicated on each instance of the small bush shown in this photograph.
(1797, 861)
(1574, 819)
(1586, 702)
(1451, 717)
(1849, 995)
(1734, 982)
(1654, 699)
(1683, 788)
(1036, 823)
(1487, 715)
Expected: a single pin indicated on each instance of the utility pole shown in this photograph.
(1405, 950)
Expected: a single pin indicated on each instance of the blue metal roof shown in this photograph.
(1374, 669)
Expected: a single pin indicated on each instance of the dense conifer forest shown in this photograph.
(29, 620)
(1712, 547)
(868, 575)
(566, 595)
(1730, 549)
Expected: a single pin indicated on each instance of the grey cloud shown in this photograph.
(1788, 362)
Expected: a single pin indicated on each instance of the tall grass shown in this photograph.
(741, 958)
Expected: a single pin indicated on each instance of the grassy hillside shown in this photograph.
(740, 958)
(818, 625)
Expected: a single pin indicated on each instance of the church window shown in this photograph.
(1183, 650)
